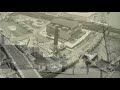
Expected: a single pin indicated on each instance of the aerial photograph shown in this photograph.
(59, 44)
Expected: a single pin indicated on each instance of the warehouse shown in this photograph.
(67, 28)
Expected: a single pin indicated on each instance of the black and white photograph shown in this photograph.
(59, 44)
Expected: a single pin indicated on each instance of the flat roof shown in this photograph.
(64, 22)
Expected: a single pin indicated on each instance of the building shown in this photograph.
(67, 28)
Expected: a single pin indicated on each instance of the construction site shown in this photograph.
(59, 45)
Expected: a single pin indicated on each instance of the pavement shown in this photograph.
(5, 71)
(22, 62)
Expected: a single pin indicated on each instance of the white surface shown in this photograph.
(12, 27)
(71, 45)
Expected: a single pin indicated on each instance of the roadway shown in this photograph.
(22, 64)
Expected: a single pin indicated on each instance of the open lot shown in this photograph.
(14, 29)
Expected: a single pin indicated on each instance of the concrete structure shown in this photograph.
(67, 28)
(21, 62)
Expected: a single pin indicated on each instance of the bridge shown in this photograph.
(22, 64)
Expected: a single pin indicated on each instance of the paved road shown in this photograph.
(24, 66)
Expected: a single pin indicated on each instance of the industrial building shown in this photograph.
(67, 28)
(59, 45)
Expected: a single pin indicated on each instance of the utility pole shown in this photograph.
(73, 69)
(87, 67)
(101, 74)
(3, 39)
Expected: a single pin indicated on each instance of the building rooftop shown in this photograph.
(64, 22)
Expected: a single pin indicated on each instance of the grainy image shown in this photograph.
(59, 44)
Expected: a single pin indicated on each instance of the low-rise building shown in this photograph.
(67, 28)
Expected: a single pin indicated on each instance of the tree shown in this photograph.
(108, 40)
(103, 20)
(114, 52)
